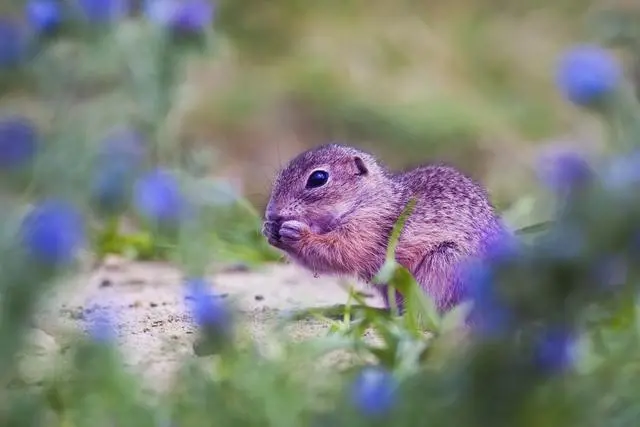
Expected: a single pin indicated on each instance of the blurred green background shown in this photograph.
(465, 81)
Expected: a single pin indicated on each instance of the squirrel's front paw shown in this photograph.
(292, 232)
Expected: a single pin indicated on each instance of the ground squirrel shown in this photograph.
(332, 210)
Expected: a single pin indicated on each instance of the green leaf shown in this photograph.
(397, 229)
(421, 313)
(538, 227)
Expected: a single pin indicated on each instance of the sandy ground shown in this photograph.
(154, 329)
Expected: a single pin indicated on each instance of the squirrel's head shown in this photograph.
(322, 187)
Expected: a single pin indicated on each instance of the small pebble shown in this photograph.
(105, 283)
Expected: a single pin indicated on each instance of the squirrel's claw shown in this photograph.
(284, 235)
(292, 231)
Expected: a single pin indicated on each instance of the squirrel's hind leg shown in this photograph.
(437, 275)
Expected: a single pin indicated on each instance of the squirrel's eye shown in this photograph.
(317, 179)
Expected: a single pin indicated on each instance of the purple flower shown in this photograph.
(18, 141)
(52, 232)
(373, 392)
(120, 158)
(43, 15)
(103, 11)
(563, 170)
(157, 197)
(587, 74)
(185, 16)
(554, 350)
(208, 310)
(13, 43)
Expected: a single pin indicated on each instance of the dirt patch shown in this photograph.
(154, 329)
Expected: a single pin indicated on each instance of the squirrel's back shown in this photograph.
(451, 209)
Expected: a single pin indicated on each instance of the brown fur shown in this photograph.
(344, 226)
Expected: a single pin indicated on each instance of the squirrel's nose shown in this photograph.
(276, 217)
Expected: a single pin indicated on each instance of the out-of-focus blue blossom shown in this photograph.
(52, 232)
(588, 73)
(110, 188)
(103, 11)
(373, 392)
(611, 271)
(554, 352)
(489, 317)
(208, 310)
(13, 43)
(43, 15)
(120, 158)
(100, 324)
(158, 197)
(18, 141)
(184, 16)
(563, 170)
(503, 248)
(622, 172)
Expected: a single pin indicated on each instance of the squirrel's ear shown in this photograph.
(360, 166)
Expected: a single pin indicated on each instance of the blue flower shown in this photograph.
(489, 316)
(100, 324)
(553, 352)
(110, 188)
(52, 232)
(119, 160)
(587, 74)
(18, 141)
(373, 392)
(563, 170)
(13, 43)
(43, 15)
(622, 172)
(611, 271)
(103, 11)
(208, 310)
(186, 16)
(502, 248)
(157, 197)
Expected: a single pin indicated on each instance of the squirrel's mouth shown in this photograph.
(320, 225)
(271, 230)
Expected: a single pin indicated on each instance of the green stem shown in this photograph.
(168, 70)
(624, 120)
